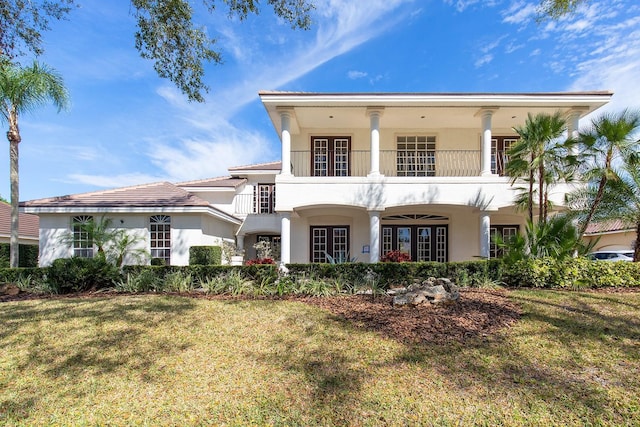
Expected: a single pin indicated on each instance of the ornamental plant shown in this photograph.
(395, 256)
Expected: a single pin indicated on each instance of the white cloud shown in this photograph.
(461, 5)
(485, 59)
(353, 75)
(519, 12)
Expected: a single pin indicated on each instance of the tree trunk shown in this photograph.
(530, 207)
(636, 246)
(541, 208)
(13, 135)
(594, 206)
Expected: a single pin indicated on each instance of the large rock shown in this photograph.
(430, 291)
(9, 289)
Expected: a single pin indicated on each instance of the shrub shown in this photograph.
(572, 273)
(81, 274)
(143, 280)
(158, 262)
(259, 261)
(27, 255)
(205, 255)
(395, 256)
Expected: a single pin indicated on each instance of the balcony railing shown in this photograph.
(247, 204)
(392, 163)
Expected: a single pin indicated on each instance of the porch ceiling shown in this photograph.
(422, 111)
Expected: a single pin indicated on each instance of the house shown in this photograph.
(361, 174)
(611, 235)
(28, 227)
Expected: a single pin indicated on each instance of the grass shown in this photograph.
(573, 359)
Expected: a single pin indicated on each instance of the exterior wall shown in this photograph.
(52, 230)
(186, 230)
(463, 228)
(494, 192)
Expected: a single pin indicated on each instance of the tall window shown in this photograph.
(160, 237)
(506, 232)
(499, 158)
(420, 242)
(82, 239)
(264, 196)
(331, 156)
(416, 155)
(329, 240)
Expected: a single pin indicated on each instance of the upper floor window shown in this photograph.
(160, 237)
(331, 156)
(416, 155)
(82, 239)
(500, 145)
(264, 197)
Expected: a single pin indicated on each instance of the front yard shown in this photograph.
(566, 358)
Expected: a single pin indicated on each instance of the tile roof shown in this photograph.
(260, 166)
(608, 226)
(28, 225)
(223, 181)
(162, 194)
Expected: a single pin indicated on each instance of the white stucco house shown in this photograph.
(361, 174)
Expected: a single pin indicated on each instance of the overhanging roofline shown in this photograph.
(133, 210)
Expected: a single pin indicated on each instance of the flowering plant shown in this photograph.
(260, 261)
(395, 256)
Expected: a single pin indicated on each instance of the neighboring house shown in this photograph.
(361, 174)
(28, 227)
(611, 235)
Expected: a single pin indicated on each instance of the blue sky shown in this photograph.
(126, 126)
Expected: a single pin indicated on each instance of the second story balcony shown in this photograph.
(423, 163)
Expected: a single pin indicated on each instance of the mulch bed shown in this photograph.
(478, 313)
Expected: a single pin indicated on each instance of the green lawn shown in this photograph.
(573, 359)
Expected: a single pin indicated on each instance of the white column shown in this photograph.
(486, 143)
(485, 234)
(285, 123)
(374, 125)
(374, 236)
(285, 238)
(240, 242)
(573, 124)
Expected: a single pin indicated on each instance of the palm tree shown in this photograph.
(557, 237)
(608, 141)
(23, 89)
(539, 158)
(620, 199)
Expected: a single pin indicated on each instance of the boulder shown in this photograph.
(430, 291)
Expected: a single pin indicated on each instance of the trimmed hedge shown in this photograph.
(27, 255)
(81, 274)
(205, 255)
(572, 273)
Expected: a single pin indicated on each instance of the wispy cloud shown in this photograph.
(353, 75)
(519, 12)
(216, 143)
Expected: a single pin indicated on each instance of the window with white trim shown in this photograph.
(331, 156)
(329, 240)
(264, 196)
(420, 242)
(160, 237)
(82, 240)
(500, 145)
(416, 155)
(506, 232)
